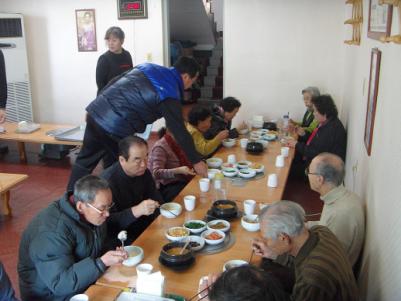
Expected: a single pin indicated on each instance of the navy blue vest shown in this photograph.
(132, 102)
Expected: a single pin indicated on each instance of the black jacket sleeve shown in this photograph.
(3, 82)
(151, 191)
(102, 70)
(171, 110)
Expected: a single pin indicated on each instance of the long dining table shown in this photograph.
(185, 283)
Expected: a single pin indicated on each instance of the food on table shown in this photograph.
(255, 166)
(194, 225)
(251, 221)
(219, 225)
(213, 236)
(176, 251)
(178, 232)
(245, 172)
(194, 244)
(225, 206)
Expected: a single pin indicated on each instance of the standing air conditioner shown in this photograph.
(13, 45)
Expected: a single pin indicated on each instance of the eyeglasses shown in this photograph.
(107, 209)
(311, 173)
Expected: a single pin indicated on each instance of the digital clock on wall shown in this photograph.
(129, 9)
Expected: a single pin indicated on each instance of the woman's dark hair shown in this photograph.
(115, 31)
(125, 144)
(246, 283)
(187, 65)
(197, 114)
(325, 105)
(229, 104)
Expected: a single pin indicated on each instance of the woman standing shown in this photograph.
(113, 62)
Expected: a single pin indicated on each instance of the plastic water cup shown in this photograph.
(189, 202)
(249, 206)
(204, 184)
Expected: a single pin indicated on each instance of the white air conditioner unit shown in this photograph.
(13, 46)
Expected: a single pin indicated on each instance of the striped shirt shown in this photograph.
(322, 269)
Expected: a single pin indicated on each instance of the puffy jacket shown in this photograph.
(132, 102)
(58, 255)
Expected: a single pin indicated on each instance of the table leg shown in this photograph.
(22, 152)
(6, 209)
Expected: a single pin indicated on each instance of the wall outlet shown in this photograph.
(149, 57)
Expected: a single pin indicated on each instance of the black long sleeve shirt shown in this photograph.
(128, 192)
(110, 65)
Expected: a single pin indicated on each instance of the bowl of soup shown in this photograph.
(135, 256)
(250, 223)
(173, 256)
(224, 209)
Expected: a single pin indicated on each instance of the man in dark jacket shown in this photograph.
(3, 88)
(60, 253)
(134, 191)
(140, 97)
(222, 116)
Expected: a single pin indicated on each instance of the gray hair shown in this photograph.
(313, 91)
(86, 188)
(284, 217)
(331, 168)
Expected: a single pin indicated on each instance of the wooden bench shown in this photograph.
(38, 136)
(8, 181)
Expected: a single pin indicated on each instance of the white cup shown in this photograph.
(204, 184)
(80, 297)
(280, 161)
(285, 150)
(189, 202)
(249, 206)
(144, 269)
(231, 159)
(272, 180)
(244, 142)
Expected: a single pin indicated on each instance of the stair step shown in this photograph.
(209, 80)
(212, 70)
(217, 52)
(218, 92)
(215, 61)
(206, 92)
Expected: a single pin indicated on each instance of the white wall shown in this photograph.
(378, 177)
(63, 79)
(218, 8)
(274, 49)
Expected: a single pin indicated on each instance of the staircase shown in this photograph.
(211, 89)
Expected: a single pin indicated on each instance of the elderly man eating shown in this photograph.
(322, 269)
(60, 253)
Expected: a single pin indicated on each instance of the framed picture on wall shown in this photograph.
(132, 9)
(86, 29)
(379, 23)
(372, 98)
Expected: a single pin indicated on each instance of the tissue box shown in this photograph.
(125, 296)
(152, 284)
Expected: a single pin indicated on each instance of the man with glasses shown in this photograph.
(134, 191)
(343, 211)
(60, 252)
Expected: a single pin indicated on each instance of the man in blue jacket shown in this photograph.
(124, 107)
(60, 252)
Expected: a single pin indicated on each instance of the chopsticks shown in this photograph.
(169, 211)
(250, 259)
(198, 293)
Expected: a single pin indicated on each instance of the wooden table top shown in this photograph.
(186, 282)
(8, 180)
(38, 136)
